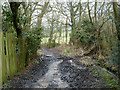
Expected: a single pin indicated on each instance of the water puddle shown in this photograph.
(49, 55)
(78, 67)
(53, 76)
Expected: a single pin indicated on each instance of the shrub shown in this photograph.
(113, 58)
(86, 33)
(34, 40)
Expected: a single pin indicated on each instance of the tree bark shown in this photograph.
(60, 33)
(80, 12)
(51, 32)
(66, 31)
(89, 13)
(95, 15)
(73, 24)
(41, 14)
(14, 8)
(116, 10)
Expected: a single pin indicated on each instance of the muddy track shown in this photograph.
(57, 71)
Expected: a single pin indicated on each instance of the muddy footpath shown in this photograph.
(56, 71)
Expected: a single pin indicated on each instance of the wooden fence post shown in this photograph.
(10, 60)
(4, 66)
(0, 59)
(0, 45)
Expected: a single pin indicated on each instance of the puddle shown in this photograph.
(78, 67)
(49, 55)
(53, 76)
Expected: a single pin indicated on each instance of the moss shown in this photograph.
(39, 52)
(110, 81)
(66, 51)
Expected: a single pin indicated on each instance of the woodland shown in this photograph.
(86, 31)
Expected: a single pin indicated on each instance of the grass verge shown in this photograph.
(110, 80)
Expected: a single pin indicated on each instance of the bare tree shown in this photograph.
(40, 16)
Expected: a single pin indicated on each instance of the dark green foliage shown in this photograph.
(86, 34)
(114, 56)
(33, 37)
(22, 18)
(34, 40)
(87, 26)
(6, 17)
(81, 36)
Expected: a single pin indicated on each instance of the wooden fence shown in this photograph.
(0, 60)
(9, 58)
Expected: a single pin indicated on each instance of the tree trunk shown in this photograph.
(89, 13)
(73, 24)
(20, 52)
(60, 33)
(95, 15)
(116, 10)
(14, 8)
(80, 12)
(51, 32)
(41, 14)
(63, 34)
(66, 31)
(1, 46)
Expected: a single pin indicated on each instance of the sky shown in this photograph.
(65, 0)
(44, 18)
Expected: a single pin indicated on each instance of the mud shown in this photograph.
(56, 71)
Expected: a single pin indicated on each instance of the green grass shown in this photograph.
(62, 40)
(66, 51)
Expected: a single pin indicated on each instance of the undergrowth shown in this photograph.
(110, 81)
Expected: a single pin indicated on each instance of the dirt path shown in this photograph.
(57, 71)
